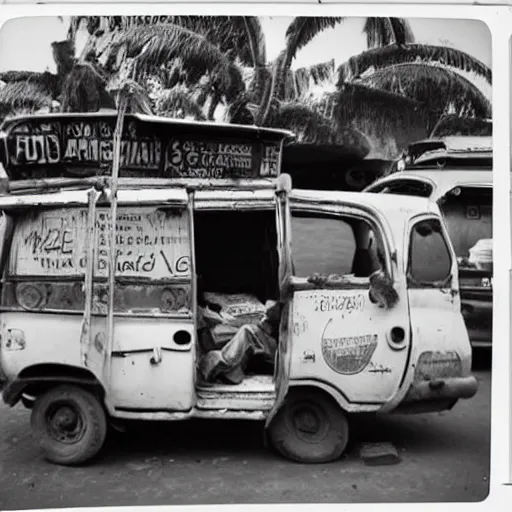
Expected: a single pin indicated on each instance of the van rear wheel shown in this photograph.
(70, 424)
(310, 428)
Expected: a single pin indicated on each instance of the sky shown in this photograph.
(33, 53)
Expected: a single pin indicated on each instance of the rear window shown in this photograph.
(404, 187)
(429, 256)
(468, 216)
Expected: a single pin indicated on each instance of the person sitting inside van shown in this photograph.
(250, 342)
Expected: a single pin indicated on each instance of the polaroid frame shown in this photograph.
(498, 17)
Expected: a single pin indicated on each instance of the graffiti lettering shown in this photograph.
(209, 160)
(341, 345)
(347, 303)
(270, 161)
(348, 355)
(84, 146)
(378, 368)
(152, 243)
(300, 324)
(37, 149)
(87, 142)
(147, 20)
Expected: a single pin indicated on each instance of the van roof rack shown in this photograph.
(39, 152)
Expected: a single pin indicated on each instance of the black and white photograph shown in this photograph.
(245, 260)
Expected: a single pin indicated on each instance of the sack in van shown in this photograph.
(236, 309)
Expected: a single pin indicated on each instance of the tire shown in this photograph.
(70, 424)
(310, 428)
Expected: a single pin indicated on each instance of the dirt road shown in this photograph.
(445, 457)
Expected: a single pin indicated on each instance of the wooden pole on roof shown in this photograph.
(123, 101)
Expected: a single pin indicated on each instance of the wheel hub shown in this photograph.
(65, 417)
(310, 423)
(65, 424)
(307, 421)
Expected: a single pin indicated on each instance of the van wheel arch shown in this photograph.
(324, 388)
(37, 379)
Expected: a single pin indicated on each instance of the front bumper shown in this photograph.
(452, 388)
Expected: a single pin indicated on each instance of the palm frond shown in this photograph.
(389, 121)
(378, 58)
(240, 111)
(385, 31)
(256, 39)
(276, 84)
(22, 97)
(75, 23)
(299, 33)
(243, 35)
(451, 125)
(402, 31)
(261, 78)
(302, 30)
(308, 77)
(439, 88)
(235, 84)
(156, 45)
(47, 82)
(136, 97)
(179, 103)
(311, 127)
(84, 90)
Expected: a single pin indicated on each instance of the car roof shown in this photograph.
(442, 181)
(407, 206)
(451, 147)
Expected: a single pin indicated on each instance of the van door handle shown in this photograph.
(156, 358)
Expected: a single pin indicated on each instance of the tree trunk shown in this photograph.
(213, 106)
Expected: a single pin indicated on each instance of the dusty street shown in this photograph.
(445, 457)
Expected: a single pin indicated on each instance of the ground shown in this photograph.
(445, 457)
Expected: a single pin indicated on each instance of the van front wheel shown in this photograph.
(70, 424)
(310, 428)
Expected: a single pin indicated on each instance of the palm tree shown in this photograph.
(416, 73)
(387, 94)
(198, 62)
(240, 38)
(82, 83)
(179, 50)
(386, 90)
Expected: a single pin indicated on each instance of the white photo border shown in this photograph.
(499, 20)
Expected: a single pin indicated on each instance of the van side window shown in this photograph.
(333, 245)
(320, 244)
(429, 256)
(48, 261)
